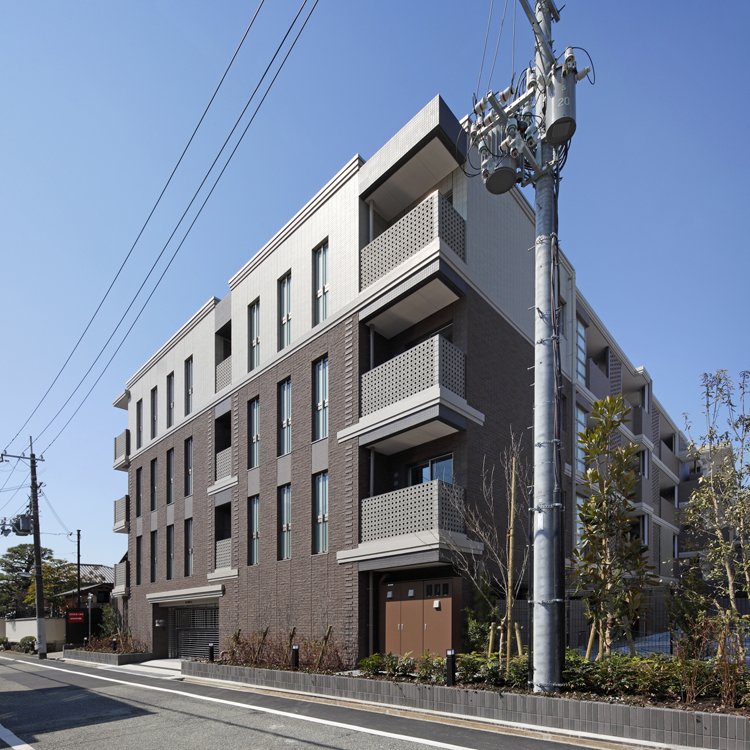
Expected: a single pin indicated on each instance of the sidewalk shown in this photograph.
(166, 669)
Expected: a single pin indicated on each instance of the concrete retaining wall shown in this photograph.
(668, 726)
(102, 657)
(54, 629)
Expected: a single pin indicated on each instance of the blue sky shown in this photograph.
(99, 99)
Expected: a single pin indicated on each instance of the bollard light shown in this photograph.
(450, 667)
(210, 651)
(295, 658)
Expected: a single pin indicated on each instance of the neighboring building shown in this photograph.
(293, 449)
(97, 580)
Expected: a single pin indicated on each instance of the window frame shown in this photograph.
(170, 476)
(580, 456)
(154, 412)
(320, 399)
(285, 417)
(138, 560)
(188, 554)
(321, 286)
(253, 335)
(320, 513)
(189, 385)
(154, 557)
(285, 522)
(154, 477)
(139, 492)
(253, 433)
(429, 463)
(284, 294)
(253, 530)
(139, 423)
(170, 400)
(170, 552)
(581, 351)
(188, 466)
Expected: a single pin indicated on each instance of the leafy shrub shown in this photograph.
(390, 662)
(4, 644)
(468, 666)
(430, 668)
(518, 673)
(123, 643)
(371, 666)
(27, 644)
(405, 666)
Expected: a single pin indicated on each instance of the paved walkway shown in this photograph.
(167, 669)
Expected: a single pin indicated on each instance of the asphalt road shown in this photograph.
(55, 706)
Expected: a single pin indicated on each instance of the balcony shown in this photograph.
(668, 511)
(423, 507)
(122, 516)
(434, 218)
(435, 362)
(425, 519)
(224, 374)
(598, 382)
(641, 422)
(122, 451)
(669, 459)
(223, 558)
(122, 581)
(224, 463)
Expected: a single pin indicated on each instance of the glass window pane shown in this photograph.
(442, 468)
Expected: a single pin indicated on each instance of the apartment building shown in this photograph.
(298, 452)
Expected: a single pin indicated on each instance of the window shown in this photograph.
(253, 530)
(285, 522)
(170, 399)
(436, 468)
(580, 427)
(320, 537)
(285, 311)
(188, 385)
(170, 476)
(153, 557)
(580, 500)
(321, 399)
(170, 552)
(253, 421)
(153, 484)
(321, 284)
(189, 467)
(646, 397)
(253, 333)
(644, 464)
(154, 413)
(285, 417)
(188, 546)
(138, 559)
(580, 351)
(138, 492)
(139, 424)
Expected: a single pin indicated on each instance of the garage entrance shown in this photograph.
(191, 629)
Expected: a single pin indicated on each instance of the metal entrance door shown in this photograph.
(191, 629)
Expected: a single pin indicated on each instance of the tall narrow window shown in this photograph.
(580, 500)
(253, 530)
(189, 467)
(154, 481)
(170, 476)
(170, 552)
(321, 399)
(253, 438)
(154, 413)
(285, 522)
(188, 546)
(170, 399)
(285, 311)
(321, 284)
(320, 517)
(188, 385)
(138, 492)
(580, 427)
(285, 417)
(581, 351)
(253, 334)
(139, 424)
(154, 558)
(138, 559)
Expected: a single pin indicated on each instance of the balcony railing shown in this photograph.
(121, 579)
(434, 217)
(122, 516)
(668, 511)
(598, 382)
(122, 450)
(223, 554)
(224, 374)
(433, 362)
(669, 459)
(224, 463)
(423, 507)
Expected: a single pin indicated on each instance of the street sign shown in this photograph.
(76, 615)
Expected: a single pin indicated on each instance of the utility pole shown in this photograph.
(78, 570)
(41, 635)
(525, 140)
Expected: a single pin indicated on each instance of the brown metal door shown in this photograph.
(438, 616)
(391, 603)
(412, 622)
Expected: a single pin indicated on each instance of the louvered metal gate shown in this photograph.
(191, 629)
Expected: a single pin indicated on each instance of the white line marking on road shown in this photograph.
(11, 740)
(275, 712)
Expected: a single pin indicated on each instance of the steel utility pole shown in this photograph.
(525, 140)
(78, 570)
(41, 635)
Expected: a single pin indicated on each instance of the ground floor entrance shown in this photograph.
(420, 615)
(191, 629)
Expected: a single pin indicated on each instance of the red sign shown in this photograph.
(76, 616)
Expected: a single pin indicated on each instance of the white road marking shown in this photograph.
(11, 740)
(275, 712)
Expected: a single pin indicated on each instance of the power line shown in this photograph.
(54, 513)
(497, 46)
(200, 210)
(166, 244)
(143, 228)
(486, 36)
